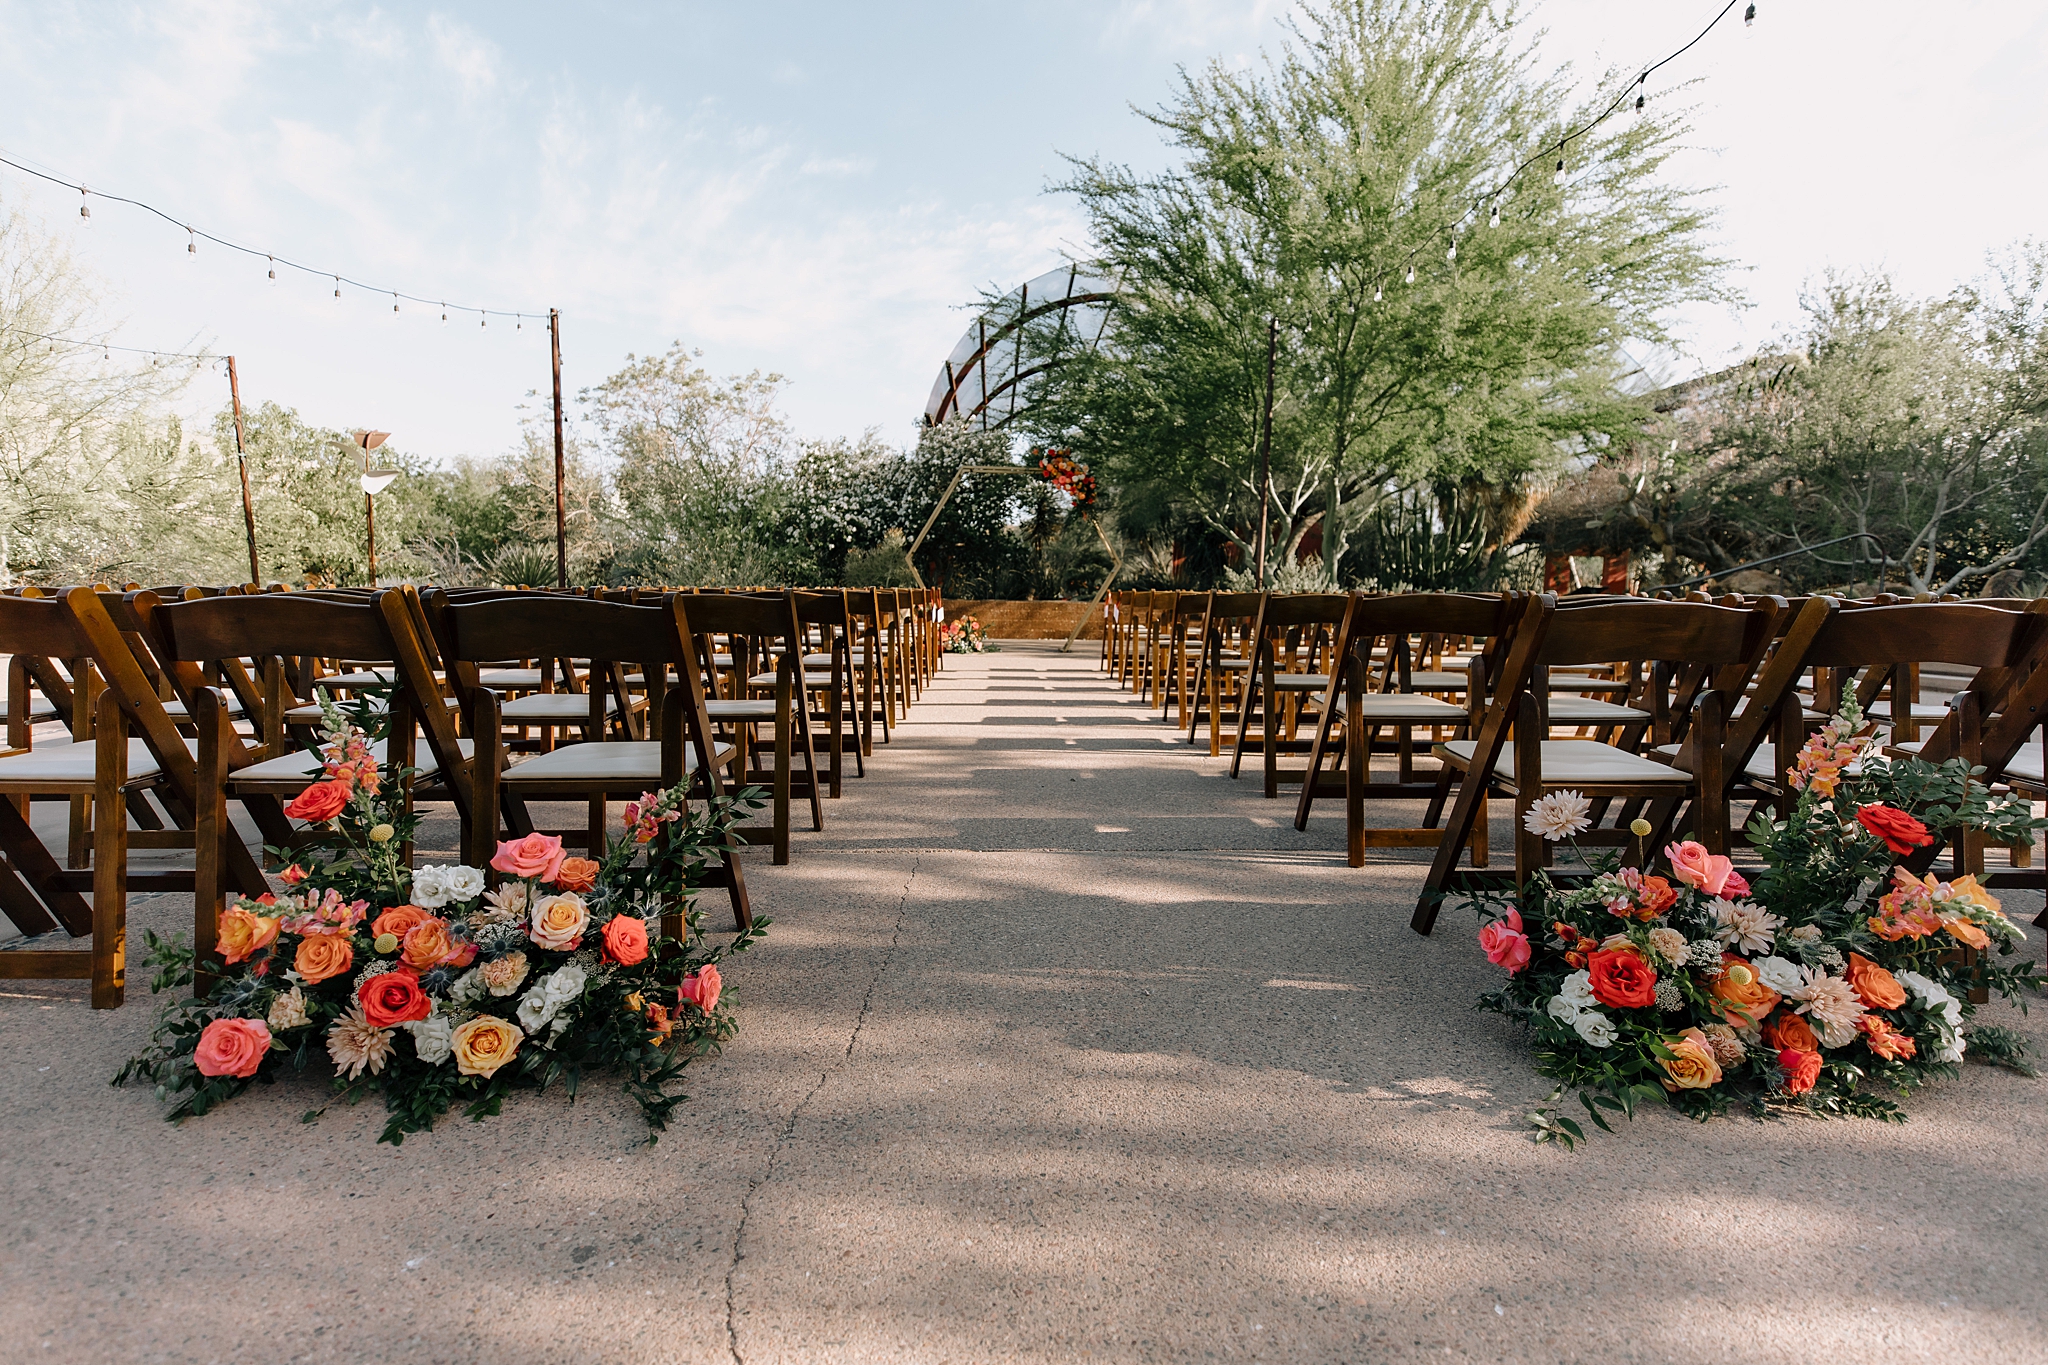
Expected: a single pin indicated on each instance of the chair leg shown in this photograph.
(110, 860)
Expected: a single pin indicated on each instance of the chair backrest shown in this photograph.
(1636, 630)
(1965, 633)
(37, 633)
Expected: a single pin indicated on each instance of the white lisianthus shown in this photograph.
(1780, 975)
(541, 1003)
(468, 987)
(430, 888)
(1938, 1001)
(1595, 1027)
(431, 1037)
(1578, 989)
(1562, 1010)
(464, 883)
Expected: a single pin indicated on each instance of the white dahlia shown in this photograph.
(1832, 1005)
(1560, 815)
(1744, 925)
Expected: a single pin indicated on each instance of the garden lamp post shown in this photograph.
(374, 481)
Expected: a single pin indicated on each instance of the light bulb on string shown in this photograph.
(394, 303)
(1559, 177)
(337, 286)
(1411, 272)
(1493, 218)
(444, 314)
(273, 268)
(1378, 292)
(84, 209)
(518, 322)
(191, 242)
(1452, 254)
(1749, 17)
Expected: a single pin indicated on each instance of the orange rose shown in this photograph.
(1691, 1065)
(1788, 1030)
(319, 803)
(321, 956)
(1739, 997)
(1654, 897)
(397, 920)
(625, 940)
(427, 944)
(242, 934)
(1884, 1040)
(577, 874)
(1802, 1069)
(1875, 986)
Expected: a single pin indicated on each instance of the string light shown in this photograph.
(273, 269)
(1411, 272)
(444, 314)
(394, 303)
(1452, 254)
(1493, 218)
(193, 234)
(105, 348)
(1378, 292)
(1749, 17)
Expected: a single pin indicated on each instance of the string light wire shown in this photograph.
(194, 235)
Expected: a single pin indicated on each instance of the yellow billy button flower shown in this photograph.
(1740, 973)
(386, 943)
(1639, 827)
(382, 834)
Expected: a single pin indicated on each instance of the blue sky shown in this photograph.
(817, 189)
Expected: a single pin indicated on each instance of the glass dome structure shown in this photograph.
(989, 375)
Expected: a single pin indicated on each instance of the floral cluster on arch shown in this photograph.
(1059, 468)
(1838, 976)
(451, 984)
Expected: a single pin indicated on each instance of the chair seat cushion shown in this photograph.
(349, 682)
(810, 680)
(749, 708)
(617, 764)
(1235, 665)
(1437, 680)
(1576, 762)
(1588, 711)
(69, 761)
(304, 767)
(508, 679)
(560, 707)
(175, 709)
(1300, 682)
(1392, 707)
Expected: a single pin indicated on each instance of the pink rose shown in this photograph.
(700, 988)
(1505, 943)
(1704, 871)
(538, 856)
(231, 1047)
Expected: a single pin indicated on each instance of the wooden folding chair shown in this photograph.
(760, 630)
(1293, 644)
(1226, 662)
(597, 771)
(1529, 765)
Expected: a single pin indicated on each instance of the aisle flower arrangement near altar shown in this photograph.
(966, 635)
(1838, 977)
(445, 985)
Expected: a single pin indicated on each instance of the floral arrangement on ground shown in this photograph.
(437, 987)
(1839, 976)
(965, 636)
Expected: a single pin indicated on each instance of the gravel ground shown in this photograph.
(1063, 1047)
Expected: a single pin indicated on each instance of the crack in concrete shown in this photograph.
(732, 1338)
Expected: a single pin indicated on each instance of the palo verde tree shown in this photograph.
(1384, 137)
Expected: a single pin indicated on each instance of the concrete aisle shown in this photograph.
(1063, 1047)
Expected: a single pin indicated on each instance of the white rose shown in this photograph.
(468, 987)
(533, 1009)
(464, 883)
(1562, 1009)
(430, 1038)
(1781, 976)
(565, 985)
(1578, 988)
(1595, 1027)
(430, 888)
(549, 994)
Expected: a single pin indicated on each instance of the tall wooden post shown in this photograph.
(370, 530)
(561, 505)
(1266, 447)
(242, 459)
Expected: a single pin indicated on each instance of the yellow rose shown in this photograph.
(559, 921)
(484, 1044)
(1691, 1065)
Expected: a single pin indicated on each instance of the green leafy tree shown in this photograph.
(1377, 140)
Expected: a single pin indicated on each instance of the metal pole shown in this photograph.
(1266, 447)
(370, 525)
(242, 459)
(561, 507)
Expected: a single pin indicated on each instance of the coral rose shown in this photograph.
(1901, 832)
(1691, 1065)
(1875, 986)
(1802, 1069)
(484, 1044)
(625, 940)
(319, 803)
(1786, 1030)
(1884, 1040)
(577, 874)
(1621, 979)
(231, 1047)
(242, 934)
(397, 920)
(393, 998)
(428, 944)
(700, 988)
(538, 856)
(1740, 996)
(321, 956)
(559, 921)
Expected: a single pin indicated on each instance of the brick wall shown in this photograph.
(1028, 620)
